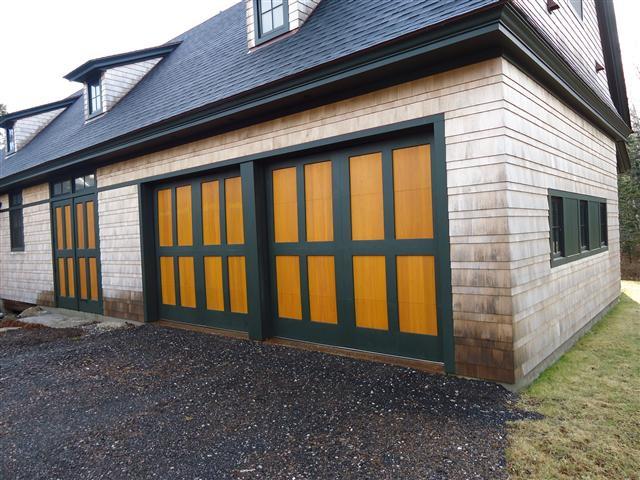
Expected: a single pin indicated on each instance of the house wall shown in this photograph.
(575, 38)
(510, 309)
(551, 147)
(120, 255)
(472, 101)
(28, 276)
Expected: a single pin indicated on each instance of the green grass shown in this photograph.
(590, 400)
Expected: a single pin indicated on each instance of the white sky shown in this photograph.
(42, 40)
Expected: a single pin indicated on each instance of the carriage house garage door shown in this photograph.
(353, 241)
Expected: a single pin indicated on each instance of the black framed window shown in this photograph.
(272, 17)
(11, 140)
(578, 226)
(577, 6)
(77, 185)
(557, 227)
(95, 95)
(583, 225)
(16, 222)
(604, 231)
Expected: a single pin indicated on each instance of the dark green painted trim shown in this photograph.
(443, 252)
(498, 29)
(147, 249)
(258, 286)
(88, 68)
(571, 212)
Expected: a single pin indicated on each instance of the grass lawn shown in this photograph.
(590, 400)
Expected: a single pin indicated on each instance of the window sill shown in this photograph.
(557, 261)
(267, 37)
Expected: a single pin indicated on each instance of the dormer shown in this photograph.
(107, 80)
(22, 126)
(268, 19)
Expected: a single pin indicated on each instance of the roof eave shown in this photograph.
(89, 68)
(9, 118)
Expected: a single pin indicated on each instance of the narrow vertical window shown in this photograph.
(16, 222)
(604, 231)
(557, 229)
(271, 16)
(95, 96)
(11, 140)
(583, 224)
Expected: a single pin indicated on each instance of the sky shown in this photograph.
(42, 40)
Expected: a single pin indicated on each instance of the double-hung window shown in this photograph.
(95, 95)
(16, 222)
(11, 140)
(271, 17)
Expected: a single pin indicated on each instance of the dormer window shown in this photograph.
(272, 18)
(11, 140)
(94, 88)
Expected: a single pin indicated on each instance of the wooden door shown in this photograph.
(201, 251)
(354, 249)
(76, 254)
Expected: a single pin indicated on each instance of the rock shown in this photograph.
(33, 312)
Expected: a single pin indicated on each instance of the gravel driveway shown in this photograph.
(159, 403)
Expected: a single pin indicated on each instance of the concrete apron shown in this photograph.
(63, 318)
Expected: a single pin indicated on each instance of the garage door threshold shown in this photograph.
(422, 365)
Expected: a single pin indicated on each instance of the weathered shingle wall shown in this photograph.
(550, 146)
(28, 276)
(120, 253)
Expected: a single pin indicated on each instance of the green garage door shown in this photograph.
(354, 249)
(201, 251)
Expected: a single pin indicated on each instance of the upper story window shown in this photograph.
(95, 95)
(577, 6)
(272, 17)
(11, 140)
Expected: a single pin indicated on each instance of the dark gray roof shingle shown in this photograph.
(213, 63)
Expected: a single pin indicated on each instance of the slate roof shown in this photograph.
(213, 63)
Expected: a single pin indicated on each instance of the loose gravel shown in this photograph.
(159, 403)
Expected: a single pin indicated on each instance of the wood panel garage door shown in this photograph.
(201, 252)
(354, 249)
